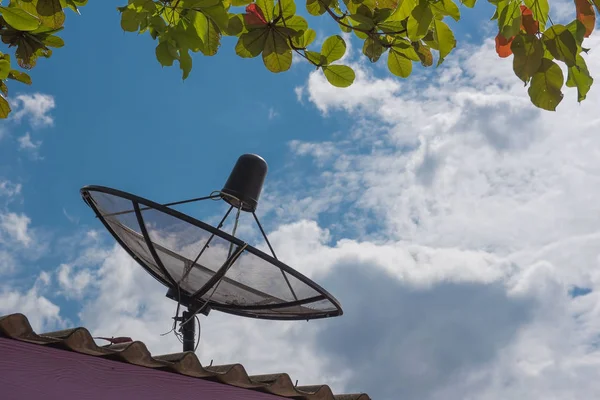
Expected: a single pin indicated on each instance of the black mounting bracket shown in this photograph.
(186, 300)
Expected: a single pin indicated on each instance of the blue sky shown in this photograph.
(444, 211)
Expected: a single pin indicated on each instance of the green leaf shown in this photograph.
(361, 35)
(561, 44)
(218, 14)
(528, 53)
(389, 5)
(315, 58)
(277, 54)
(339, 75)
(19, 77)
(419, 21)
(197, 3)
(545, 89)
(4, 69)
(509, 20)
(20, 19)
(235, 25)
(3, 88)
(398, 64)
(362, 21)
(381, 14)
(315, 7)
(164, 54)
(213, 40)
(405, 48)
(577, 29)
(404, 11)
(296, 23)
(446, 7)
(4, 108)
(540, 9)
(171, 15)
(252, 43)
(130, 21)
(372, 49)
(29, 50)
(444, 38)
(391, 26)
(199, 24)
(267, 8)
(53, 41)
(288, 6)
(185, 63)
(334, 48)
(239, 3)
(346, 21)
(51, 12)
(190, 35)
(304, 40)
(47, 30)
(72, 5)
(468, 3)
(579, 77)
(424, 54)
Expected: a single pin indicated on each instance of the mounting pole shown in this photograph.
(188, 330)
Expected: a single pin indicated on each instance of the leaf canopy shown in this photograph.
(402, 32)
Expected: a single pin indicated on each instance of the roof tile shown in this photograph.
(16, 326)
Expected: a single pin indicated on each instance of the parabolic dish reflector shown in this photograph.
(229, 276)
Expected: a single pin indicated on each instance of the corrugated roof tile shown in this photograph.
(17, 327)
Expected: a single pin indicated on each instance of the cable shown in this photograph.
(212, 196)
(199, 332)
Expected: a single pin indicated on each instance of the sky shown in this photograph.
(457, 224)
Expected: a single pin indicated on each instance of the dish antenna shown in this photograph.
(206, 268)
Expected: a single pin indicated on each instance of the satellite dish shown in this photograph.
(204, 267)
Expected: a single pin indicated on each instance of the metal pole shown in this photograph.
(188, 330)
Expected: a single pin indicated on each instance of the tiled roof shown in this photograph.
(17, 327)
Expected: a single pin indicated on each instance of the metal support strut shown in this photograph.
(188, 330)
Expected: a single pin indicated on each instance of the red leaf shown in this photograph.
(503, 45)
(586, 15)
(254, 15)
(528, 24)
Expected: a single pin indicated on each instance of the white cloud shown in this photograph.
(9, 189)
(7, 263)
(272, 114)
(16, 226)
(25, 143)
(322, 151)
(42, 313)
(72, 219)
(460, 181)
(35, 108)
(73, 284)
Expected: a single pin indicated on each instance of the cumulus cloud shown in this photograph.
(469, 190)
(34, 108)
(73, 283)
(9, 189)
(25, 143)
(401, 342)
(7, 262)
(43, 314)
(15, 227)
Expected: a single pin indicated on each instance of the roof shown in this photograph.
(79, 340)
